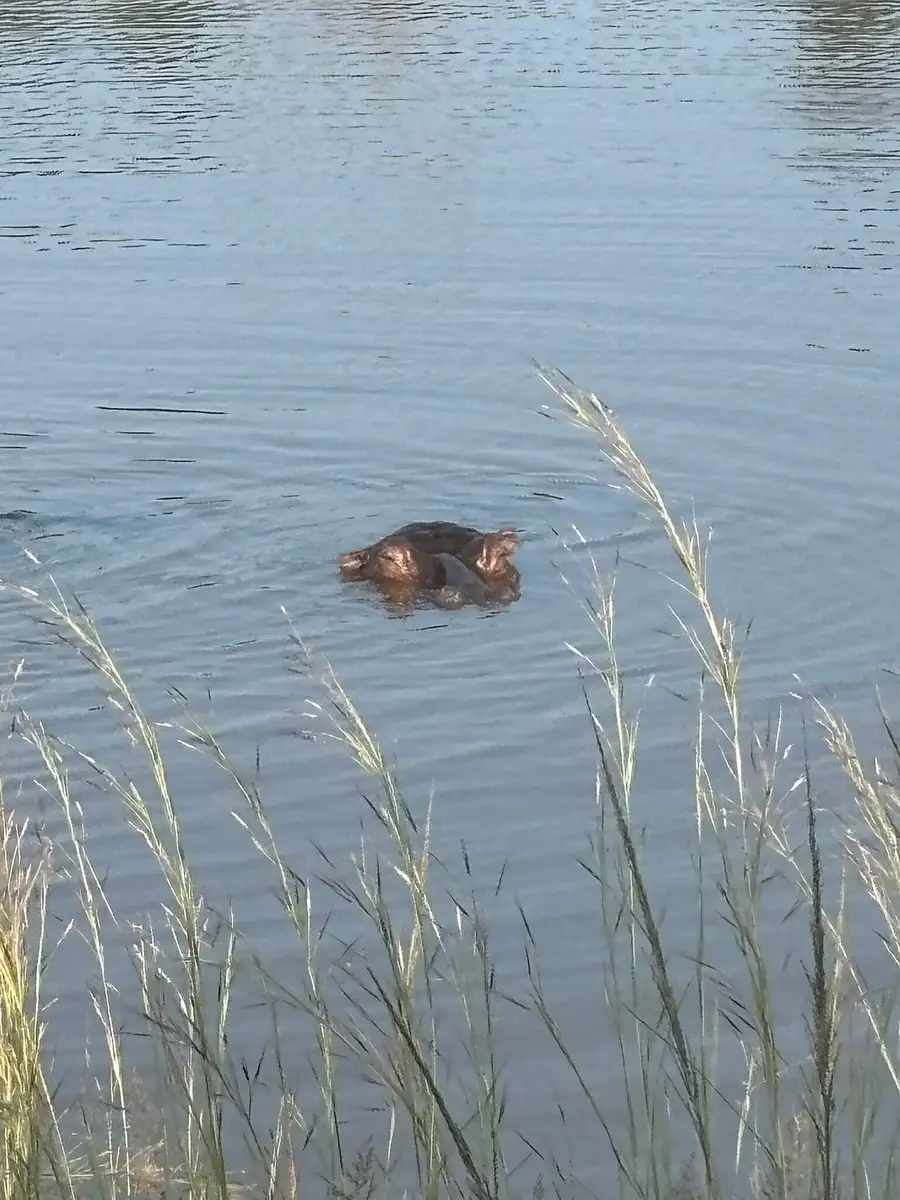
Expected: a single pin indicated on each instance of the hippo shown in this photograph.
(439, 555)
(486, 554)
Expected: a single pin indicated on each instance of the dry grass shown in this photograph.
(24, 880)
(211, 1122)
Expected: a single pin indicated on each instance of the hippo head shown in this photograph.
(491, 554)
(393, 560)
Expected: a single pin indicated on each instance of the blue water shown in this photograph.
(271, 279)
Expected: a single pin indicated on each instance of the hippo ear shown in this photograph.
(497, 549)
(352, 562)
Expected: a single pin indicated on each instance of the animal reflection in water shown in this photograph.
(449, 565)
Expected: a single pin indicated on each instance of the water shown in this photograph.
(271, 276)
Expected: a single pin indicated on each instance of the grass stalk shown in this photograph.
(23, 1090)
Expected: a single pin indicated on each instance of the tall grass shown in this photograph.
(407, 1013)
(23, 1092)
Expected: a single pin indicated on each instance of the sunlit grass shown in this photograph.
(213, 1121)
(24, 882)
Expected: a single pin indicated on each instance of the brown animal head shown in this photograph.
(393, 560)
(491, 554)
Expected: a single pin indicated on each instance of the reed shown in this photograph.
(741, 841)
(23, 930)
(412, 1020)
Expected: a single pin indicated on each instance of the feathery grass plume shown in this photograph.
(418, 953)
(381, 1019)
(872, 843)
(185, 978)
(749, 819)
(24, 1109)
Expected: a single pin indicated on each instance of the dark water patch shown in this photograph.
(847, 85)
(200, 412)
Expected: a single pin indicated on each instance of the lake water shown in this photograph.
(271, 279)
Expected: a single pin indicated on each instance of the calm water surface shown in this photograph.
(271, 276)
